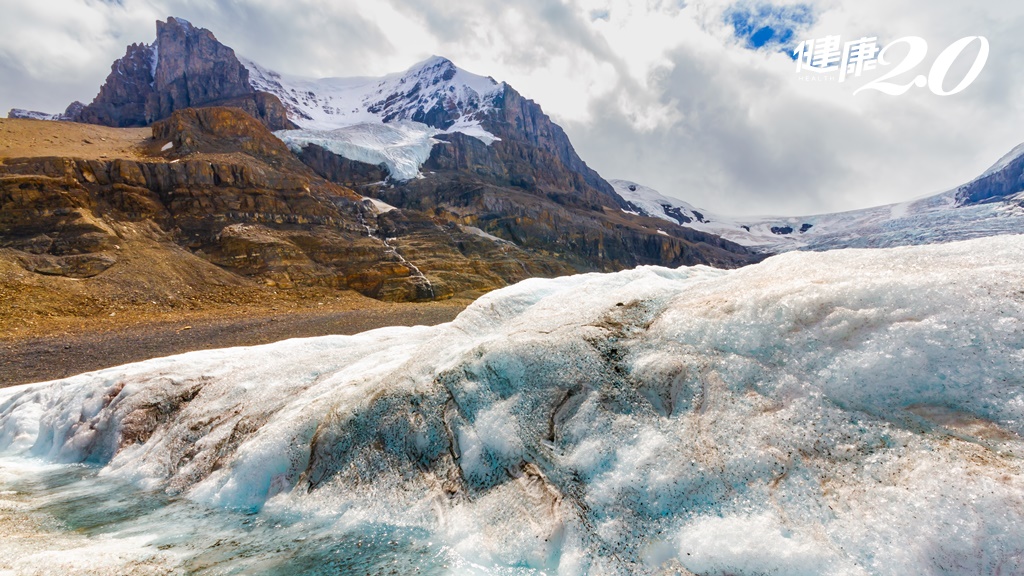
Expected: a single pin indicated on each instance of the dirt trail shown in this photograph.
(40, 138)
(38, 359)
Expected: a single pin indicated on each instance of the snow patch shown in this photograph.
(472, 128)
(758, 544)
(155, 48)
(379, 205)
(33, 115)
(478, 232)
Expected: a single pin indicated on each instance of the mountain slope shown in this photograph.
(431, 98)
(1004, 179)
(214, 186)
(474, 151)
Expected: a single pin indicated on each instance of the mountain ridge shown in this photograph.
(186, 66)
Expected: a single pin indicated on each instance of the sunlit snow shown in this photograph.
(843, 412)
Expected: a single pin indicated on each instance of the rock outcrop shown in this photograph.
(193, 68)
(340, 169)
(124, 98)
(996, 185)
(586, 239)
(185, 67)
(537, 150)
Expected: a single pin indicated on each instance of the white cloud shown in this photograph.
(55, 50)
(752, 138)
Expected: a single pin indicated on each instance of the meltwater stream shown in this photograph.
(58, 519)
(842, 413)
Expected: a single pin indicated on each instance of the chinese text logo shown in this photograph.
(830, 55)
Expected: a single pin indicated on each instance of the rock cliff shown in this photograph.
(1004, 179)
(525, 130)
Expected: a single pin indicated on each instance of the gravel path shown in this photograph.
(48, 358)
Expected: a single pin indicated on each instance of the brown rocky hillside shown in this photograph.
(94, 220)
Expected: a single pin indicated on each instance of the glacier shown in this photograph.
(930, 219)
(846, 412)
(401, 146)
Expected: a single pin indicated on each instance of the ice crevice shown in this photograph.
(846, 412)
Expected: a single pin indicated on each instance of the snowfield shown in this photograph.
(847, 412)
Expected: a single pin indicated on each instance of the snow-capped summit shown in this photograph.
(433, 92)
(344, 115)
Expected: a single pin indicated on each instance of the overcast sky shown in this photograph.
(699, 99)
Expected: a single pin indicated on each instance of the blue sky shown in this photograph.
(765, 25)
(699, 100)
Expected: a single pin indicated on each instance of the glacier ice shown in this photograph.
(928, 220)
(846, 412)
(401, 146)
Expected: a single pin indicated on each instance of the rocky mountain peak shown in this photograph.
(193, 68)
(184, 67)
(179, 23)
